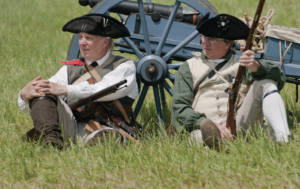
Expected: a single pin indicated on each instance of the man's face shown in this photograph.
(214, 48)
(92, 47)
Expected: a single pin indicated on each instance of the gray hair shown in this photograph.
(231, 48)
(111, 44)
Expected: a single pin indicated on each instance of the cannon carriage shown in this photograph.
(163, 37)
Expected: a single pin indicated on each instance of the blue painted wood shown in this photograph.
(168, 88)
(73, 52)
(272, 51)
(171, 77)
(178, 31)
(167, 29)
(123, 17)
(141, 100)
(180, 45)
(162, 96)
(158, 108)
(290, 69)
(134, 49)
(155, 31)
(144, 26)
(175, 66)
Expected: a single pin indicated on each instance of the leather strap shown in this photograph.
(88, 75)
(82, 78)
(94, 74)
(92, 126)
(121, 108)
(210, 75)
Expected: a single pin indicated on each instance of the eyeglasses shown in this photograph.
(211, 39)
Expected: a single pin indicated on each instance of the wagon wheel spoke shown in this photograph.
(168, 88)
(141, 100)
(158, 108)
(162, 96)
(180, 45)
(171, 77)
(167, 29)
(133, 47)
(175, 66)
(144, 26)
(122, 17)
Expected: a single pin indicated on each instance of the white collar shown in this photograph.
(101, 60)
(218, 61)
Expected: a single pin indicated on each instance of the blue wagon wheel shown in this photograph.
(153, 64)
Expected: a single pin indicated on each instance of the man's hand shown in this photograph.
(248, 60)
(225, 133)
(55, 89)
(31, 90)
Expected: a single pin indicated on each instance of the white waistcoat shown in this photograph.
(211, 98)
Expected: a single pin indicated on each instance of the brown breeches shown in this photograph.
(45, 120)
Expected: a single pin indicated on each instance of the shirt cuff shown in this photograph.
(24, 106)
(71, 92)
(21, 100)
(262, 70)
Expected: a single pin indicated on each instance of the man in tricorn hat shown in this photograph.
(200, 101)
(45, 100)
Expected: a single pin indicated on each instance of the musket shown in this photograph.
(233, 89)
(131, 135)
(97, 95)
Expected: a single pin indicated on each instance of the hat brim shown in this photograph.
(230, 28)
(97, 24)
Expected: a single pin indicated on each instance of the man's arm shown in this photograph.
(266, 70)
(74, 93)
(248, 60)
(182, 113)
(59, 78)
(126, 71)
(31, 90)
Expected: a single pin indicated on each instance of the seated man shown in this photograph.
(201, 82)
(51, 115)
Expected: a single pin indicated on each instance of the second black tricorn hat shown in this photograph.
(97, 24)
(223, 26)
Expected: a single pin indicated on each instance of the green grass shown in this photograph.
(32, 44)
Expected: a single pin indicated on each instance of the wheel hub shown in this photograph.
(152, 70)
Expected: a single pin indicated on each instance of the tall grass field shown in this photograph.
(32, 43)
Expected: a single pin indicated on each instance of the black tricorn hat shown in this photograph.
(223, 26)
(97, 24)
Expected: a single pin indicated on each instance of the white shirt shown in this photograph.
(125, 70)
(218, 61)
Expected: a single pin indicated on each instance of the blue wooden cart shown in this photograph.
(163, 34)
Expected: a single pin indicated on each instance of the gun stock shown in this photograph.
(233, 92)
(102, 93)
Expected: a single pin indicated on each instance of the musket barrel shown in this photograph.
(93, 97)
(231, 122)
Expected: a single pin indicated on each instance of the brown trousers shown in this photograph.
(53, 121)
